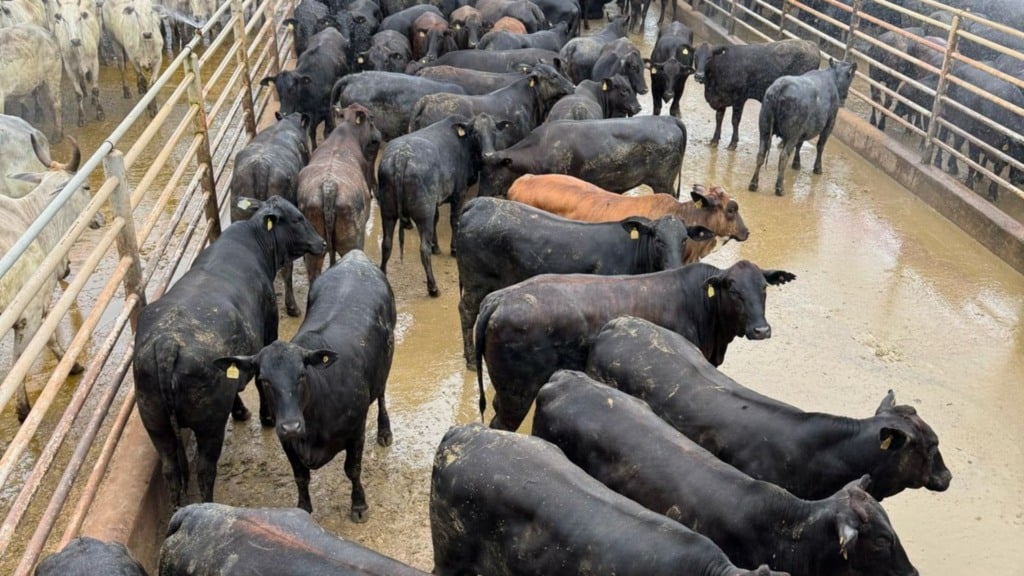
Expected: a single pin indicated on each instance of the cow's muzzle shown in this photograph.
(699, 77)
(292, 429)
(939, 482)
(760, 333)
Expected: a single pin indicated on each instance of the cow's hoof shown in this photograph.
(433, 291)
(360, 515)
(435, 250)
(778, 192)
(471, 365)
(752, 187)
(101, 115)
(818, 171)
(240, 414)
(81, 122)
(732, 146)
(292, 310)
(675, 112)
(77, 368)
(385, 438)
(127, 93)
(713, 143)
(23, 413)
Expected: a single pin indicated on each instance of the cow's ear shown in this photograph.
(846, 528)
(270, 220)
(319, 358)
(247, 205)
(702, 199)
(892, 438)
(887, 405)
(637, 226)
(715, 285)
(699, 233)
(360, 117)
(558, 64)
(719, 50)
(502, 125)
(267, 80)
(461, 129)
(776, 277)
(277, 115)
(30, 177)
(238, 369)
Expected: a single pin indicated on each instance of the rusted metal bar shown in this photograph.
(127, 241)
(195, 96)
(248, 116)
(74, 465)
(940, 88)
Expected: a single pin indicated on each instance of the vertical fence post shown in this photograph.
(734, 8)
(782, 19)
(854, 25)
(127, 240)
(204, 156)
(940, 88)
(248, 113)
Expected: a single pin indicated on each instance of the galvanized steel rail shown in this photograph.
(248, 46)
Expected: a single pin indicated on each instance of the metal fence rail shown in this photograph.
(856, 33)
(182, 154)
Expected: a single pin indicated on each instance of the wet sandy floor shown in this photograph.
(889, 294)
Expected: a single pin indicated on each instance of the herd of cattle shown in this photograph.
(587, 304)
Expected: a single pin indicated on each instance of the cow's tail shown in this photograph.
(339, 85)
(682, 153)
(401, 174)
(165, 354)
(329, 197)
(262, 191)
(487, 308)
(766, 127)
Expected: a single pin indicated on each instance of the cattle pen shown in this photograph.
(82, 464)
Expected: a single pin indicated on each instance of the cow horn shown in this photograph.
(42, 153)
(76, 156)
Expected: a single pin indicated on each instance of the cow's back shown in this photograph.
(575, 199)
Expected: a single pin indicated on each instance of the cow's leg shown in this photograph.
(387, 238)
(209, 443)
(301, 474)
(314, 266)
(788, 148)
(719, 116)
(435, 248)
(674, 108)
(290, 306)
(453, 221)
(100, 114)
(469, 309)
(354, 469)
(384, 435)
(173, 462)
(239, 412)
(951, 165)
(80, 102)
(822, 140)
(427, 243)
(876, 97)
(737, 114)
(762, 154)
(122, 64)
(887, 103)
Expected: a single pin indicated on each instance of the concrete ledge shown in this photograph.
(132, 505)
(994, 229)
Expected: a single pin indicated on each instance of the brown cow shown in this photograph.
(430, 37)
(509, 24)
(576, 199)
(334, 188)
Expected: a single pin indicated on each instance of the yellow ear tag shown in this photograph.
(457, 26)
(698, 204)
(460, 131)
(532, 82)
(327, 359)
(634, 235)
(685, 51)
(244, 203)
(604, 87)
(359, 120)
(886, 443)
(423, 33)
(711, 291)
(270, 224)
(844, 554)
(232, 372)
(291, 26)
(653, 71)
(359, 60)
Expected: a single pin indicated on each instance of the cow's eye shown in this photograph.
(85, 15)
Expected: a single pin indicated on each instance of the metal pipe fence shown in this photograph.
(851, 30)
(172, 211)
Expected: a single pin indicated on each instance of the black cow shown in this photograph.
(811, 455)
(473, 81)
(389, 51)
(610, 98)
(430, 37)
(733, 74)
(323, 382)
(798, 108)
(87, 557)
(224, 305)
(671, 63)
(305, 22)
(529, 330)
(580, 54)
(616, 154)
(269, 166)
(468, 26)
(556, 11)
(618, 440)
(620, 56)
(523, 10)
(501, 242)
(229, 541)
(307, 88)
(424, 169)
(525, 103)
(493, 60)
(358, 22)
(503, 503)
(892, 54)
(402, 21)
(552, 39)
(390, 97)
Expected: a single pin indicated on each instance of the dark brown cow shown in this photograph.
(576, 199)
(334, 189)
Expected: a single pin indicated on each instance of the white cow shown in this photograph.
(77, 28)
(135, 27)
(30, 64)
(22, 12)
(17, 215)
(16, 154)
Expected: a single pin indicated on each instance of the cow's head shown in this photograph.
(384, 57)
(741, 291)
(548, 83)
(439, 42)
(619, 96)
(75, 28)
(292, 89)
(53, 181)
(913, 447)
(360, 120)
(287, 231)
(719, 212)
(668, 74)
(843, 72)
(489, 135)
(701, 56)
(281, 371)
(468, 26)
(864, 542)
(300, 126)
(632, 65)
